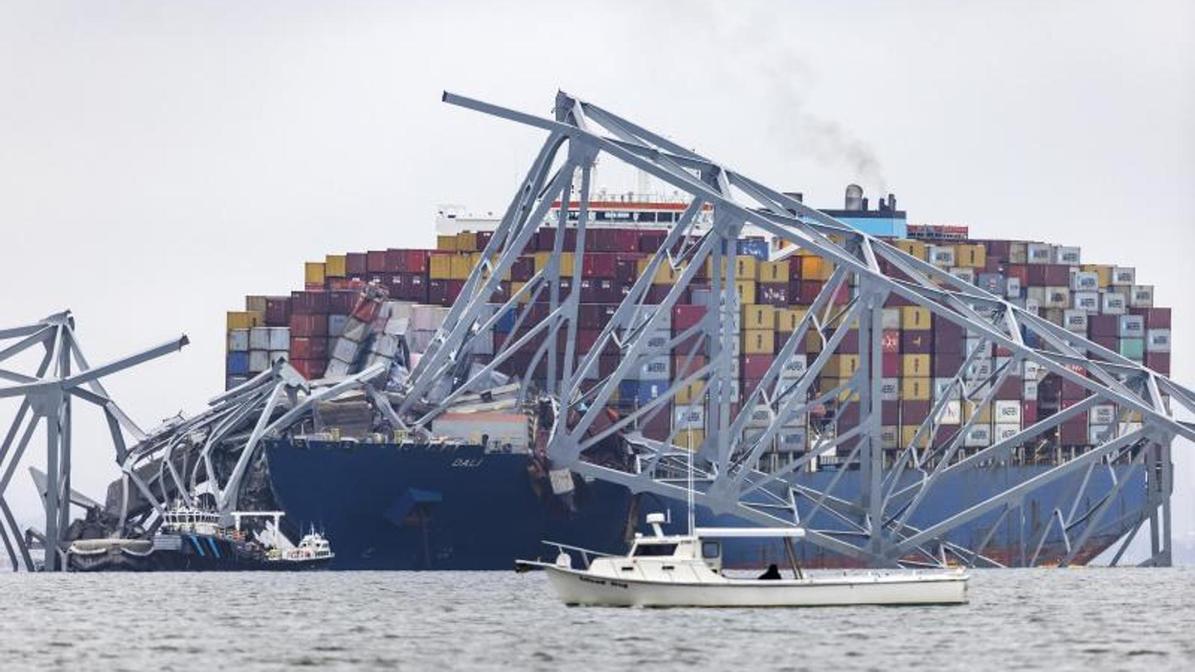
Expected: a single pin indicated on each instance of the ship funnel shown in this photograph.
(854, 197)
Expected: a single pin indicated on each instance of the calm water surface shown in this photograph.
(1114, 619)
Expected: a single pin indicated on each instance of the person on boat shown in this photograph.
(773, 573)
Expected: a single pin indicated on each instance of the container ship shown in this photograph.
(482, 494)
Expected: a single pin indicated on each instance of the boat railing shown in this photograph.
(587, 554)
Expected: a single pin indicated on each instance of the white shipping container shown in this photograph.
(799, 420)
(1032, 306)
(890, 436)
(943, 387)
(1057, 297)
(279, 338)
(644, 313)
(1031, 370)
(891, 319)
(658, 338)
(1029, 392)
(964, 274)
(276, 355)
(952, 413)
(1066, 254)
(336, 369)
(259, 338)
(386, 345)
(1075, 320)
(1102, 414)
(794, 367)
(1130, 326)
(791, 441)
(688, 416)
(1040, 253)
(941, 255)
(890, 389)
(1037, 294)
(397, 325)
(1112, 303)
(1124, 276)
(1097, 434)
(979, 436)
(1085, 281)
(238, 340)
(761, 417)
(259, 360)
(345, 350)
(1088, 302)
(654, 368)
(1005, 431)
(336, 325)
(1157, 340)
(1013, 288)
(1007, 412)
(1141, 296)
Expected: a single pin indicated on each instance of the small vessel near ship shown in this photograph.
(686, 571)
(193, 539)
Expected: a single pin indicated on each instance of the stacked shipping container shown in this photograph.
(921, 353)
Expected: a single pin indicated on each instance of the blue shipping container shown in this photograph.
(642, 391)
(754, 247)
(506, 322)
(238, 363)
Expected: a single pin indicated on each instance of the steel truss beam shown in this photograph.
(876, 526)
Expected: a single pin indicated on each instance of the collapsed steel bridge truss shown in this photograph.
(873, 527)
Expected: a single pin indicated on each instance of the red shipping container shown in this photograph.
(680, 370)
(342, 302)
(483, 239)
(1010, 389)
(657, 293)
(600, 240)
(1020, 272)
(755, 366)
(309, 303)
(1049, 275)
(651, 241)
(354, 284)
(916, 342)
(946, 364)
(998, 249)
(809, 292)
(626, 240)
(685, 316)
(890, 341)
(891, 365)
(849, 415)
(1073, 432)
(589, 316)
(277, 311)
(309, 368)
(414, 261)
(599, 265)
(308, 325)
(914, 412)
(794, 267)
(890, 413)
(1158, 361)
(747, 387)
(1103, 325)
(356, 263)
(522, 269)
(308, 347)
(415, 286)
(1155, 318)
(375, 261)
(1028, 413)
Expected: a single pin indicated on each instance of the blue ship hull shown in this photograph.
(455, 507)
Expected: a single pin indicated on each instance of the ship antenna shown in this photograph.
(690, 488)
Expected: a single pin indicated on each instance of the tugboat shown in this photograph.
(192, 539)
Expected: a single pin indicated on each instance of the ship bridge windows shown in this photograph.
(657, 550)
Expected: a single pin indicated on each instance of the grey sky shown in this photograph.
(159, 160)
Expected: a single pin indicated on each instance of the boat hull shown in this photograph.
(578, 588)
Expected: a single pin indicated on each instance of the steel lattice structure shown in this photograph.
(873, 528)
(62, 376)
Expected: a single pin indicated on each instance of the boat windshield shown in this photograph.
(655, 549)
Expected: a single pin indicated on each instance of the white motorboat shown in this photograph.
(686, 571)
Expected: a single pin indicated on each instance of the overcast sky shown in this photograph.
(160, 160)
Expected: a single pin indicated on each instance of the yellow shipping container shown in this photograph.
(336, 265)
(693, 393)
(440, 267)
(909, 432)
(915, 389)
(826, 384)
(815, 268)
(813, 342)
(664, 273)
(446, 243)
(514, 289)
(842, 366)
(313, 273)
(915, 366)
(772, 271)
(759, 317)
(1104, 273)
(914, 318)
(972, 256)
(759, 342)
(982, 414)
(689, 439)
(245, 319)
(787, 319)
(746, 266)
(914, 248)
(257, 303)
(460, 266)
(746, 289)
(466, 241)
